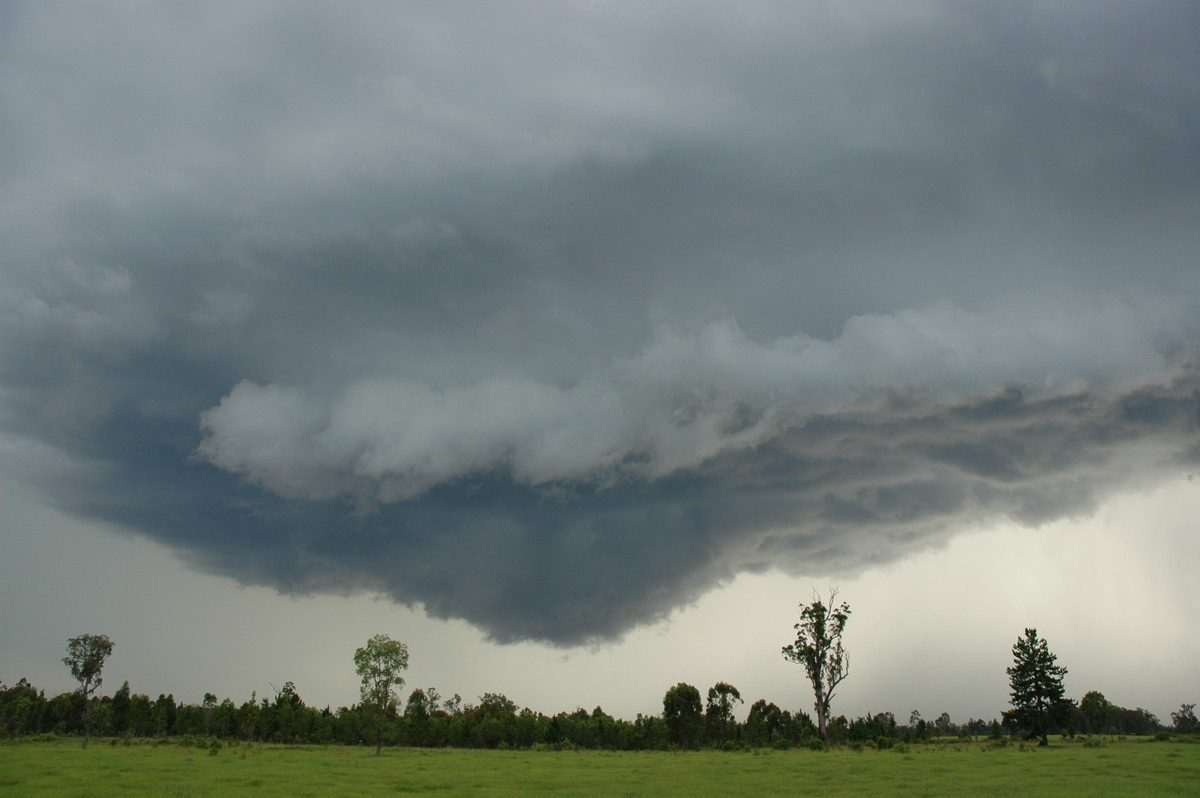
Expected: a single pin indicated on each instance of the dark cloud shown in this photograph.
(552, 317)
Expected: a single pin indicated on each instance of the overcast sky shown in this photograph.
(576, 343)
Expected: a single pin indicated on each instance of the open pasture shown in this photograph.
(65, 768)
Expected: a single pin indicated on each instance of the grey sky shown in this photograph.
(554, 317)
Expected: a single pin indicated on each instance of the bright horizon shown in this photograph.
(203, 636)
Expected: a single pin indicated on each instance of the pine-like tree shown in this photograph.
(1037, 687)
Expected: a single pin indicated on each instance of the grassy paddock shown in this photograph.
(65, 768)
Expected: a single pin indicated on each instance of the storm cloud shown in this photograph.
(552, 317)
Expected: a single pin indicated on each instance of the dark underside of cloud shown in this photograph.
(554, 318)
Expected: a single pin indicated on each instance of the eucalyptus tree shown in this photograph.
(379, 664)
(1097, 710)
(1184, 720)
(719, 709)
(818, 647)
(682, 715)
(86, 655)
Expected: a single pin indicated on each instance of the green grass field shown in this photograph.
(65, 768)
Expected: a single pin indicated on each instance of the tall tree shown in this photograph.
(818, 647)
(1097, 710)
(1037, 687)
(682, 714)
(379, 663)
(719, 709)
(85, 657)
(1185, 720)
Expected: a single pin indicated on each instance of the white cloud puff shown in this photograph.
(686, 398)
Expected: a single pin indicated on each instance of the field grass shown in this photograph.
(65, 768)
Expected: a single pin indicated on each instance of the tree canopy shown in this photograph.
(1037, 687)
(818, 647)
(683, 715)
(379, 663)
(86, 655)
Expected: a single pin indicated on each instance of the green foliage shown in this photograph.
(1184, 720)
(818, 648)
(85, 657)
(1097, 711)
(378, 664)
(682, 715)
(718, 712)
(1037, 687)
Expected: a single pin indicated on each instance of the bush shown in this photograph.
(883, 743)
(816, 745)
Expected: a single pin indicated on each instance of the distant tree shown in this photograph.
(719, 708)
(85, 657)
(493, 720)
(1135, 721)
(973, 728)
(416, 707)
(1185, 720)
(682, 714)
(1037, 687)
(210, 704)
(120, 708)
(378, 664)
(21, 709)
(918, 727)
(818, 647)
(943, 724)
(163, 713)
(763, 723)
(1097, 710)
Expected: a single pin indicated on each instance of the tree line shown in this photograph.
(427, 719)
(689, 720)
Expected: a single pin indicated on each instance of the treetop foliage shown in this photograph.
(378, 664)
(1036, 687)
(818, 648)
(86, 655)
